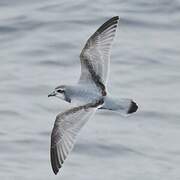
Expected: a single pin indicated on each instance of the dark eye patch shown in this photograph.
(60, 91)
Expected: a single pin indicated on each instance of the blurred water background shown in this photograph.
(40, 42)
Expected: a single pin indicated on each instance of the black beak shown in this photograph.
(52, 94)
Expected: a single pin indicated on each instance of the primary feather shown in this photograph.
(97, 52)
(66, 127)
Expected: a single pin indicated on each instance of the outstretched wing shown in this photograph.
(66, 128)
(96, 52)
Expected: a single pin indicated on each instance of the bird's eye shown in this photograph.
(60, 91)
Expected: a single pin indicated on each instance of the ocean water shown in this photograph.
(40, 42)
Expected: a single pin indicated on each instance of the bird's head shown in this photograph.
(60, 92)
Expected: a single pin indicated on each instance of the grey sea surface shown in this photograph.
(40, 42)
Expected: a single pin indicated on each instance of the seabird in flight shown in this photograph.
(90, 93)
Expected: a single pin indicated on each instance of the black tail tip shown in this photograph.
(133, 107)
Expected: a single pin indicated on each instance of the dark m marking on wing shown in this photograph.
(86, 106)
(96, 78)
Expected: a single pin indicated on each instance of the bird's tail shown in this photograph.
(123, 106)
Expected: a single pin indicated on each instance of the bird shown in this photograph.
(88, 94)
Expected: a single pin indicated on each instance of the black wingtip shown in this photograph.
(116, 17)
(54, 161)
(55, 172)
(112, 21)
(133, 107)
